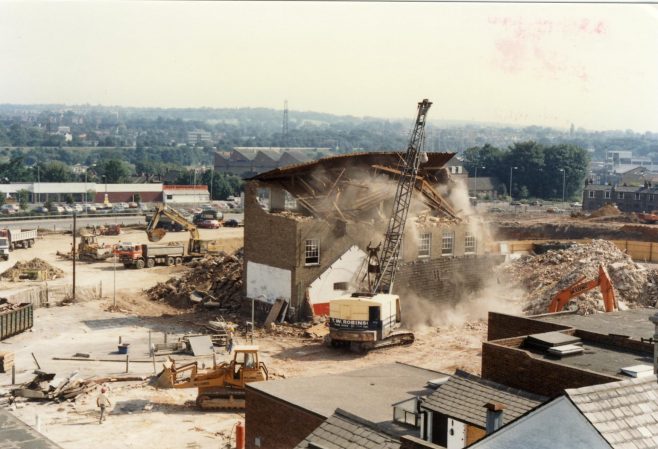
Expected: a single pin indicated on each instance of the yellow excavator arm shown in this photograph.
(155, 235)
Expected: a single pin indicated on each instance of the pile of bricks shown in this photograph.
(544, 275)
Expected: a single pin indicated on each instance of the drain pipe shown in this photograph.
(654, 320)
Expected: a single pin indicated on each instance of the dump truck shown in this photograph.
(223, 385)
(10, 239)
(139, 255)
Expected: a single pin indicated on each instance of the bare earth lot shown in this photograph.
(143, 416)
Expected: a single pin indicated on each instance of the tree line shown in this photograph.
(536, 170)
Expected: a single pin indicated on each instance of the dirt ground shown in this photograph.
(167, 418)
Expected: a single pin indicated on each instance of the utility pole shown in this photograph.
(284, 128)
(73, 250)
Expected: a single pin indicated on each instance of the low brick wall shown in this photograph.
(502, 325)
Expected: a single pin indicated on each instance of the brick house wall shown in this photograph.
(505, 363)
(640, 199)
(271, 423)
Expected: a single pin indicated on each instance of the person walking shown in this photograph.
(103, 402)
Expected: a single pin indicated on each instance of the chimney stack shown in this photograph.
(654, 320)
(495, 418)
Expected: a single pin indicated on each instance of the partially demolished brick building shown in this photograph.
(308, 226)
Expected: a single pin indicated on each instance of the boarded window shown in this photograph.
(620, 195)
(591, 193)
(607, 195)
(469, 243)
(447, 243)
(312, 252)
(425, 245)
(637, 196)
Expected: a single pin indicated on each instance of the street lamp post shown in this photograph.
(510, 182)
(564, 183)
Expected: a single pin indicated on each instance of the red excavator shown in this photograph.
(581, 286)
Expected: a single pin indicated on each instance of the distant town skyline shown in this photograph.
(592, 65)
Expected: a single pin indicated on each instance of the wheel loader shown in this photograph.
(223, 385)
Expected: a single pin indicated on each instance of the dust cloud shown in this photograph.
(419, 312)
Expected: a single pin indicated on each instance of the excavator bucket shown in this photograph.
(156, 235)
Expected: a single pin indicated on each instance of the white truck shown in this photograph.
(11, 239)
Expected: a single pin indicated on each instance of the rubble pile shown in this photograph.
(7, 306)
(544, 275)
(35, 264)
(217, 277)
(608, 210)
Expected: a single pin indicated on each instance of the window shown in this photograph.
(591, 193)
(620, 195)
(341, 286)
(651, 197)
(447, 243)
(312, 252)
(425, 246)
(170, 197)
(469, 243)
(607, 195)
(637, 197)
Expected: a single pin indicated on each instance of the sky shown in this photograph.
(593, 65)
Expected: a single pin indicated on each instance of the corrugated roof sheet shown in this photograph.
(625, 412)
(464, 396)
(344, 431)
(370, 158)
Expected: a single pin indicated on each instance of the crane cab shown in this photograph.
(363, 317)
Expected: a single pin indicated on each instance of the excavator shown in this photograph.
(223, 385)
(581, 286)
(195, 247)
(371, 319)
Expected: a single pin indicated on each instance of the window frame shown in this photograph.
(607, 195)
(470, 249)
(425, 253)
(311, 252)
(591, 194)
(445, 237)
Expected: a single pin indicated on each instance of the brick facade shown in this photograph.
(275, 424)
(278, 240)
(627, 199)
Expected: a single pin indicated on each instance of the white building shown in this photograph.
(185, 194)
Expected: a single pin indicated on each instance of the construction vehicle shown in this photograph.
(651, 218)
(371, 319)
(581, 286)
(223, 385)
(196, 247)
(10, 239)
(139, 255)
(90, 249)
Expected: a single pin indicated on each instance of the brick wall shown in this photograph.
(505, 326)
(504, 363)
(615, 341)
(445, 278)
(276, 423)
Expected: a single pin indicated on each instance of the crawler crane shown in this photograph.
(369, 320)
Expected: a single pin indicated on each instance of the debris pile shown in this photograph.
(217, 279)
(7, 306)
(608, 210)
(544, 275)
(36, 266)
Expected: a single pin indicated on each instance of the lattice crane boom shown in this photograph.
(408, 170)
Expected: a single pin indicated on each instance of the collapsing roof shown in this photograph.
(342, 187)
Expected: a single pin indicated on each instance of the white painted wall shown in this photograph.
(456, 434)
(344, 269)
(267, 283)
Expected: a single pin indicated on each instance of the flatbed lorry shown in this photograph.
(139, 255)
(10, 239)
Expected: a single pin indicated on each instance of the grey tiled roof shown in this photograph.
(464, 396)
(345, 431)
(15, 434)
(625, 413)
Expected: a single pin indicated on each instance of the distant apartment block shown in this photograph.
(198, 137)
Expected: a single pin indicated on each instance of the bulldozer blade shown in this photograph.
(227, 401)
(156, 235)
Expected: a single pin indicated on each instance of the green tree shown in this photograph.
(114, 170)
(23, 197)
(68, 199)
(55, 171)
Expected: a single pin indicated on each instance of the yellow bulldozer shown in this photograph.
(223, 385)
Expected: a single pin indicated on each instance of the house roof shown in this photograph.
(557, 424)
(343, 430)
(368, 393)
(464, 396)
(15, 434)
(625, 412)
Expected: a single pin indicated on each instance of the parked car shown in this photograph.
(40, 210)
(537, 203)
(132, 205)
(89, 208)
(68, 209)
(55, 209)
(515, 203)
(231, 223)
(576, 204)
(78, 208)
(209, 224)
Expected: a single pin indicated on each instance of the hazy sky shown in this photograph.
(548, 64)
